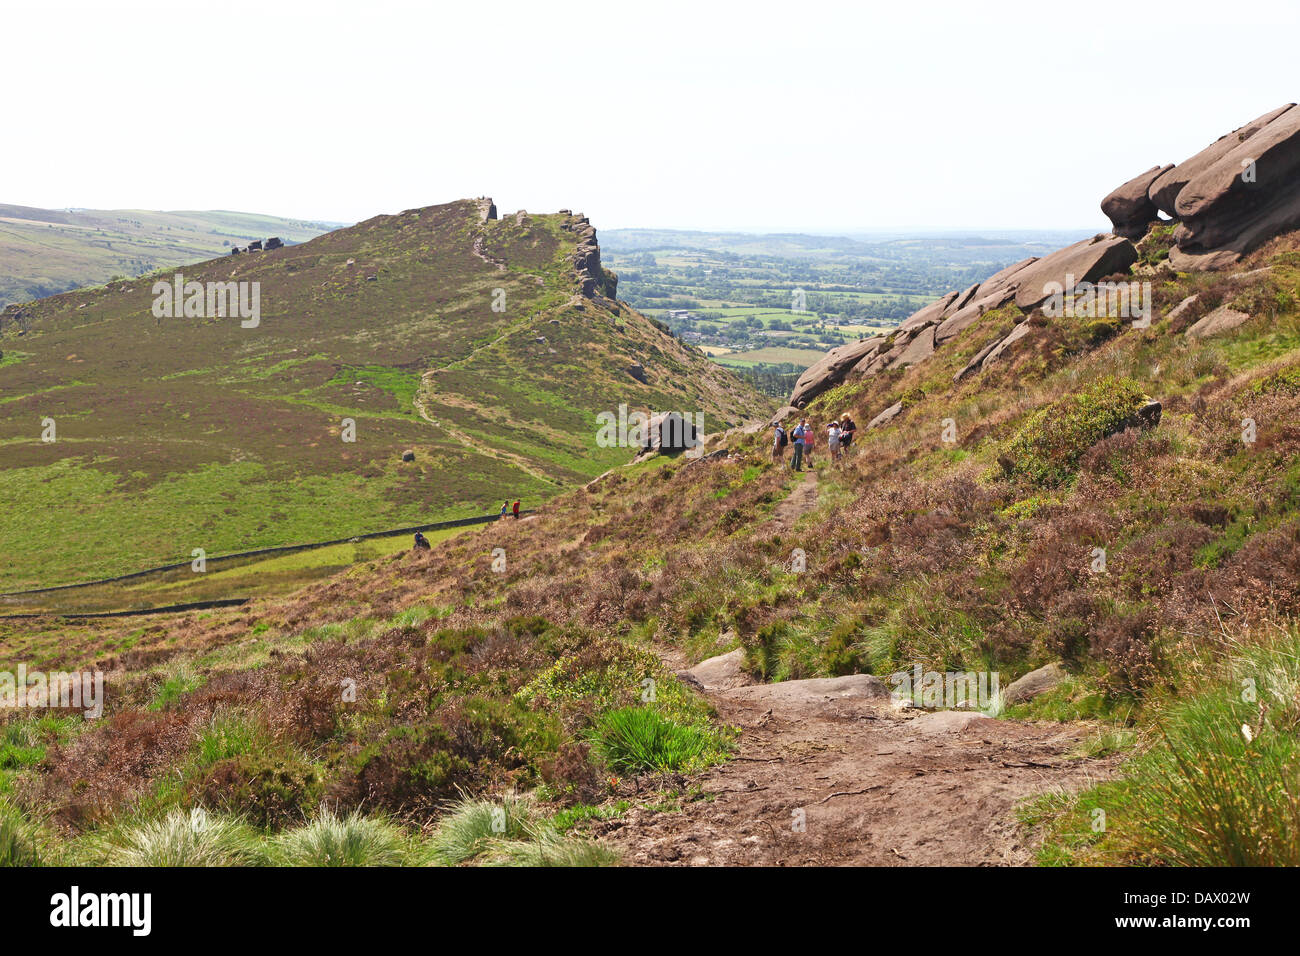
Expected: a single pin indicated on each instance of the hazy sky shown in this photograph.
(798, 115)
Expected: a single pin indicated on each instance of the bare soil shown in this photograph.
(851, 781)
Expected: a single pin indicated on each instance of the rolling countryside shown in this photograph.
(464, 339)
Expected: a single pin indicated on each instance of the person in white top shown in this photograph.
(833, 441)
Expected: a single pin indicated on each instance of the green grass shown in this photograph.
(22, 842)
(1216, 784)
(640, 739)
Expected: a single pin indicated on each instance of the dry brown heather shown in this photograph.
(917, 553)
(194, 432)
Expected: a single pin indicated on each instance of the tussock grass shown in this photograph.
(22, 841)
(640, 739)
(333, 840)
(472, 826)
(509, 833)
(549, 848)
(196, 838)
(1221, 784)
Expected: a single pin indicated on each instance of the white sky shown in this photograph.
(800, 115)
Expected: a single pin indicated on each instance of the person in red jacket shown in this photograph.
(515, 510)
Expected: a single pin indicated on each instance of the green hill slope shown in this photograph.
(48, 251)
(482, 346)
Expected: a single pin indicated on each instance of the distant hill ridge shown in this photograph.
(47, 251)
(486, 346)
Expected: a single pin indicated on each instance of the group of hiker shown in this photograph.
(839, 436)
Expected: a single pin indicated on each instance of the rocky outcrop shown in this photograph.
(831, 369)
(1086, 261)
(1234, 195)
(1130, 207)
(1229, 198)
(595, 280)
(1250, 194)
(1165, 189)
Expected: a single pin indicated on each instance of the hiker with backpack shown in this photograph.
(809, 433)
(515, 511)
(779, 442)
(421, 542)
(799, 434)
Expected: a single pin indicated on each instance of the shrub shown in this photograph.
(331, 840)
(1284, 382)
(844, 652)
(272, 789)
(1049, 445)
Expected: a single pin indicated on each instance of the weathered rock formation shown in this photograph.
(1028, 283)
(595, 280)
(1130, 207)
(1229, 198)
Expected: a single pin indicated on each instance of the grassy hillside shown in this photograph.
(978, 553)
(185, 433)
(47, 251)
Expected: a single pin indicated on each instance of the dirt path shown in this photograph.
(870, 786)
(832, 772)
(801, 501)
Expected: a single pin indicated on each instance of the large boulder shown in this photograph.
(1130, 208)
(832, 369)
(888, 415)
(1085, 261)
(1166, 187)
(1248, 195)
